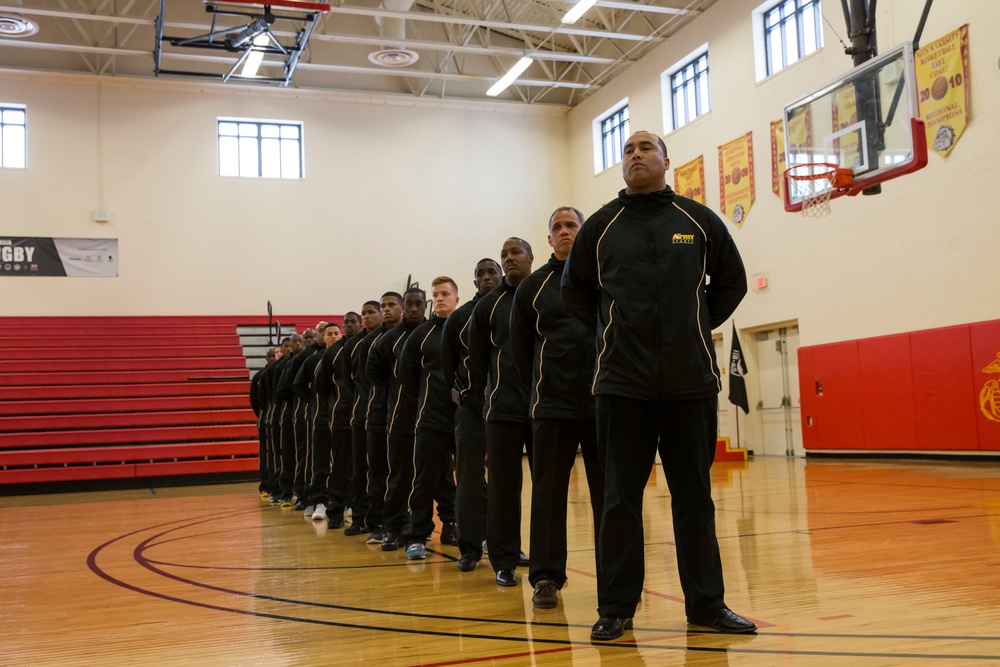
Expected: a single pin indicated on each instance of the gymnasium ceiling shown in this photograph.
(462, 46)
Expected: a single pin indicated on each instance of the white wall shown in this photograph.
(922, 254)
(392, 187)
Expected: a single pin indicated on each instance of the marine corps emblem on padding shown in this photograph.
(989, 395)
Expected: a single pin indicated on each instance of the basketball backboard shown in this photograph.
(865, 120)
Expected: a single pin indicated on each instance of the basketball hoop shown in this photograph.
(812, 183)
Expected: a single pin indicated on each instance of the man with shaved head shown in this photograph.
(650, 275)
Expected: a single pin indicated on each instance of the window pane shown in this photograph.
(229, 156)
(248, 157)
(290, 160)
(248, 129)
(269, 130)
(13, 116)
(13, 146)
(228, 129)
(270, 158)
(808, 29)
(792, 41)
(289, 132)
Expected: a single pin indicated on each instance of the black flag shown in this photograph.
(737, 369)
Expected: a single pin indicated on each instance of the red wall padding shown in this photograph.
(930, 390)
(887, 407)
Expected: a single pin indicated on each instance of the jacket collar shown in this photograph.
(664, 196)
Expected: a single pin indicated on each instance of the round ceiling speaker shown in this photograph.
(15, 25)
(393, 57)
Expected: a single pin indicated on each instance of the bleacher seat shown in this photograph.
(140, 398)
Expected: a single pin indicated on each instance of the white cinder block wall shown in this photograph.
(392, 188)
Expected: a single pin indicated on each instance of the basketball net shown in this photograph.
(812, 184)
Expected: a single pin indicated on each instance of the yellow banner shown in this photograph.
(800, 141)
(689, 179)
(736, 188)
(778, 163)
(845, 114)
(943, 88)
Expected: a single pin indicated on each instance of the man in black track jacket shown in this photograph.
(422, 379)
(335, 398)
(272, 416)
(377, 417)
(651, 274)
(508, 431)
(357, 350)
(286, 421)
(309, 379)
(383, 370)
(470, 430)
(299, 405)
(554, 354)
(304, 409)
(260, 409)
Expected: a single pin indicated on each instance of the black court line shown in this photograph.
(139, 558)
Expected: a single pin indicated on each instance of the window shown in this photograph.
(610, 133)
(13, 136)
(784, 32)
(685, 90)
(254, 149)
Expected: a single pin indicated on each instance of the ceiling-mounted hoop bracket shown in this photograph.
(239, 39)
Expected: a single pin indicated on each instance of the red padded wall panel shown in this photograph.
(807, 397)
(887, 392)
(943, 389)
(985, 337)
(838, 410)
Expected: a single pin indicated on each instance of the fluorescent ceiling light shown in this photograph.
(509, 77)
(256, 56)
(578, 10)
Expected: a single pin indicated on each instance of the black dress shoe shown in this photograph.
(725, 620)
(506, 578)
(610, 627)
(299, 506)
(467, 563)
(336, 520)
(522, 560)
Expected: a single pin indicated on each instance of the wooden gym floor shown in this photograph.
(839, 563)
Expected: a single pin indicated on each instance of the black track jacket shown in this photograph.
(455, 357)
(383, 373)
(490, 358)
(638, 275)
(422, 379)
(552, 350)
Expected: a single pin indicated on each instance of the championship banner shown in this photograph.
(943, 88)
(847, 145)
(30, 256)
(778, 162)
(689, 179)
(736, 182)
(800, 134)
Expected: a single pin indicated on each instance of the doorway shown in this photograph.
(778, 408)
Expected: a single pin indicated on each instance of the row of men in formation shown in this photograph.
(394, 412)
(607, 348)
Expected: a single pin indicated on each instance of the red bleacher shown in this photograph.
(113, 398)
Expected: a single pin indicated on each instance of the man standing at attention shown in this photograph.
(652, 273)
(508, 432)
(554, 354)
(470, 430)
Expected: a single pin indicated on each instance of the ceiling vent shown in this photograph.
(15, 25)
(393, 57)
